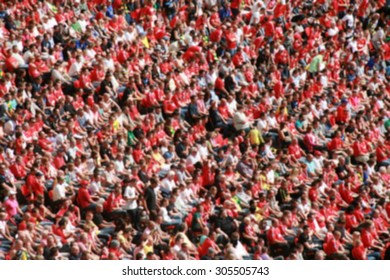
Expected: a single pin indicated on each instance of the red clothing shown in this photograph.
(204, 247)
(59, 232)
(18, 171)
(274, 235)
(342, 114)
(350, 222)
(216, 35)
(331, 246)
(335, 144)
(359, 148)
(313, 194)
(113, 201)
(295, 150)
(359, 253)
(58, 162)
(367, 238)
(83, 198)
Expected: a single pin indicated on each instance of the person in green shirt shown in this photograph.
(316, 62)
(387, 125)
(131, 139)
(76, 26)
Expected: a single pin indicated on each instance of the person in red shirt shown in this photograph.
(342, 115)
(84, 199)
(59, 160)
(382, 154)
(18, 168)
(219, 86)
(231, 40)
(112, 205)
(359, 252)
(361, 149)
(276, 239)
(269, 28)
(333, 246)
(207, 242)
(337, 145)
(169, 106)
(351, 222)
(295, 151)
(313, 191)
(59, 230)
(216, 35)
(368, 237)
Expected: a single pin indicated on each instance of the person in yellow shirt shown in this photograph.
(157, 155)
(255, 136)
(264, 182)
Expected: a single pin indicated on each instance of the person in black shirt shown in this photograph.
(68, 49)
(142, 173)
(104, 226)
(150, 198)
(193, 111)
(230, 84)
(75, 253)
(341, 169)
(182, 148)
(225, 224)
(106, 86)
(305, 239)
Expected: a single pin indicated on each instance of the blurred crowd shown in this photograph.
(190, 129)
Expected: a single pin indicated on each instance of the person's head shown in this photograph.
(75, 249)
(63, 223)
(12, 194)
(89, 216)
(319, 255)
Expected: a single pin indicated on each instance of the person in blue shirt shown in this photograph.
(82, 43)
(300, 124)
(170, 8)
(224, 12)
(310, 165)
(110, 11)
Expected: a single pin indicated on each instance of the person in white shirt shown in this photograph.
(58, 73)
(108, 62)
(348, 19)
(256, 8)
(232, 104)
(30, 53)
(130, 196)
(271, 120)
(193, 157)
(181, 206)
(378, 38)
(61, 189)
(168, 184)
(15, 54)
(240, 120)
(75, 68)
(296, 78)
(186, 194)
(168, 219)
(333, 30)
(243, 195)
(318, 160)
(182, 174)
